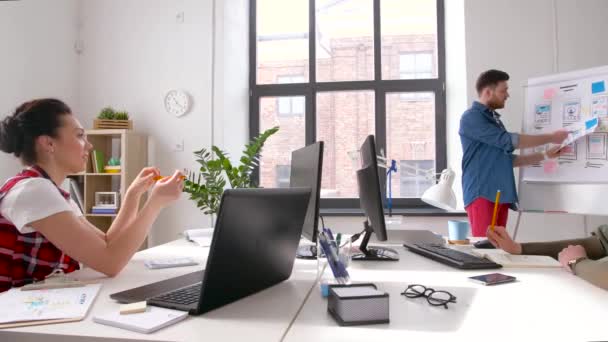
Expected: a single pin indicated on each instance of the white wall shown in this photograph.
(37, 57)
(231, 76)
(456, 87)
(581, 28)
(134, 52)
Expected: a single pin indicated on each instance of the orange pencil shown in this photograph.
(495, 210)
(157, 178)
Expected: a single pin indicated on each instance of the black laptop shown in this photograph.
(254, 247)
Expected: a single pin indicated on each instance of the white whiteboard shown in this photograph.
(580, 182)
(558, 101)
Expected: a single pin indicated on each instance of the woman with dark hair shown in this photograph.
(41, 228)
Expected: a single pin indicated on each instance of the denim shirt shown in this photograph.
(487, 161)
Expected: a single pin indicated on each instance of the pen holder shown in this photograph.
(324, 270)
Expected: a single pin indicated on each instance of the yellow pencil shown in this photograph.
(495, 210)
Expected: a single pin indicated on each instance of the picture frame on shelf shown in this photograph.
(106, 203)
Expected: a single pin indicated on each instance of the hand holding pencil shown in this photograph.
(159, 177)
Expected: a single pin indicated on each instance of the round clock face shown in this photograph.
(177, 102)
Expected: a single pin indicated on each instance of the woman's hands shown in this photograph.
(501, 239)
(143, 181)
(167, 190)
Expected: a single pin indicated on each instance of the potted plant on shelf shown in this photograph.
(207, 186)
(108, 118)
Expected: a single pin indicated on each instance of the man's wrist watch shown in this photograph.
(572, 263)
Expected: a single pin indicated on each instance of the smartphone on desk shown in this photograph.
(493, 279)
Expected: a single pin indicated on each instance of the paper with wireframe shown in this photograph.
(49, 304)
(580, 130)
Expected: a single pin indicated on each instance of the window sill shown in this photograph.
(404, 212)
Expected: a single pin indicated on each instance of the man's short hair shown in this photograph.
(490, 78)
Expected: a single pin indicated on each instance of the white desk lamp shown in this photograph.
(441, 194)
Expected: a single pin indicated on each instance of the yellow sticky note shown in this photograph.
(132, 308)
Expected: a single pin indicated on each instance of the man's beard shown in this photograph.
(496, 104)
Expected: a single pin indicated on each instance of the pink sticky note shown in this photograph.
(549, 93)
(550, 166)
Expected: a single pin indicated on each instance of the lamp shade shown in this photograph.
(441, 194)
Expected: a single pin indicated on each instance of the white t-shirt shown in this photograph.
(33, 199)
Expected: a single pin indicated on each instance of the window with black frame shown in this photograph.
(339, 70)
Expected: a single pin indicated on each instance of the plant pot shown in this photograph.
(112, 124)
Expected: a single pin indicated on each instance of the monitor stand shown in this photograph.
(374, 253)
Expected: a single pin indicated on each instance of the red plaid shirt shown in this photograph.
(30, 256)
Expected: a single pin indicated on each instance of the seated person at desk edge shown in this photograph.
(587, 258)
(41, 228)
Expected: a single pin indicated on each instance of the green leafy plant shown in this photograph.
(122, 115)
(207, 186)
(106, 114)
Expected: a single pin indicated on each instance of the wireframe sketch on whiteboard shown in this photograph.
(580, 130)
(542, 115)
(571, 112)
(596, 146)
(599, 108)
(577, 102)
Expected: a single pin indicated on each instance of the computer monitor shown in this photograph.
(370, 198)
(306, 171)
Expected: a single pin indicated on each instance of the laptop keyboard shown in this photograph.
(184, 296)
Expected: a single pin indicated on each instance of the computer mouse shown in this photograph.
(484, 244)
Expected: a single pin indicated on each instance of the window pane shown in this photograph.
(407, 63)
(297, 105)
(408, 27)
(282, 176)
(415, 177)
(284, 105)
(282, 40)
(344, 120)
(344, 40)
(277, 150)
(424, 63)
(410, 129)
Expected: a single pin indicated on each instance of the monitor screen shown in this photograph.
(370, 194)
(306, 166)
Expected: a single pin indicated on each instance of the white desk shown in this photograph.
(264, 316)
(545, 305)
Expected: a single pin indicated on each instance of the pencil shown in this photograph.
(495, 210)
(157, 178)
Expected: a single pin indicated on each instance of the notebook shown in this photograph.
(512, 260)
(146, 322)
(22, 308)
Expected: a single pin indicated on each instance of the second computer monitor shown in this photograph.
(306, 170)
(370, 197)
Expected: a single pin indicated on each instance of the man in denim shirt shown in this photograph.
(488, 159)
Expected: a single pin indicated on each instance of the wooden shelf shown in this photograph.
(132, 150)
